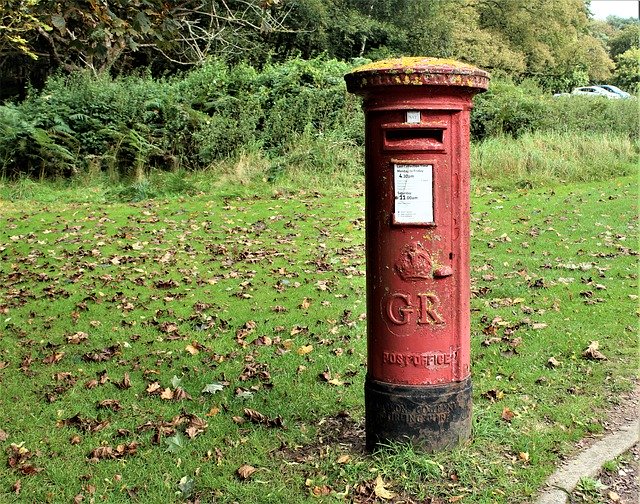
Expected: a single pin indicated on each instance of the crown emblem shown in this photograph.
(414, 264)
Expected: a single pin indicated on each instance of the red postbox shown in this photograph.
(418, 385)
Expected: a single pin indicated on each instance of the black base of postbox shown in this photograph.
(431, 417)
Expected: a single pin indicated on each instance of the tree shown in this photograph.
(18, 20)
(97, 34)
(627, 38)
(552, 35)
(627, 73)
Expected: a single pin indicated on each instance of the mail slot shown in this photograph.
(418, 385)
(397, 137)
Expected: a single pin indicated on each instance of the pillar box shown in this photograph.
(418, 385)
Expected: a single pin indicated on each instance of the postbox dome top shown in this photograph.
(416, 71)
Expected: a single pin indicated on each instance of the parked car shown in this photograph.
(595, 91)
(615, 90)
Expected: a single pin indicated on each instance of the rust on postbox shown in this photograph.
(418, 385)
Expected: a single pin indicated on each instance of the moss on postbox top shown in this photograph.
(416, 71)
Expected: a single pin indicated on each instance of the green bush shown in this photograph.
(513, 110)
(295, 115)
(128, 126)
(507, 109)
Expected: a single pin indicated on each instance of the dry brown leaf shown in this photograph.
(304, 350)
(153, 388)
(192, 350)
(77, 338)
(320, 491)
(381, 491)
(552, 363)
(112, 404)
(593, 353)
(53, 358)
(305, 304)
(245, 471)
(507, 414)
(167, 394)
(344, 459)
(125, 383)
(213, 412)
(179, 394)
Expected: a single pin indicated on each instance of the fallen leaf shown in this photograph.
(524, 456)
(77, 338)
(593, 353)
(192, 350)
(381, 491)
(212, 388)
(213, 412)
(17, 486)
(112, 404)
(305, 304)
(125, 383)
(180, 394)
(29, 470)
(154, 388)
(344, 459)
(186, 486)
(552, 363)
(507, 414)
(303, 350)
(258, 418)
(613, 496)
(245, 471)
(493, 395)
(3, 435)
(175, 443)
(167, 394)
(320, 491)
(53, 358)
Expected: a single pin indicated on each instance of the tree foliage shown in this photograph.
(553, 41)
(627, 74)
(20, 19)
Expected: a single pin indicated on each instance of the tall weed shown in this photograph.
(537, 159)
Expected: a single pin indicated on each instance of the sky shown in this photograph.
(621, 8)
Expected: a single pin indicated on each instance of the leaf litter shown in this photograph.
(174, 307)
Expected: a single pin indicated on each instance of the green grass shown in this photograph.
(258, 291)
(543, 158)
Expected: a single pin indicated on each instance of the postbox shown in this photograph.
(418, 384)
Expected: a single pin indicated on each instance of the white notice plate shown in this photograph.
(413, 194)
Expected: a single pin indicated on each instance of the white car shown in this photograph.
(595, 91)
(615, 90)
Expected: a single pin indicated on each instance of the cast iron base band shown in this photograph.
(432, 417)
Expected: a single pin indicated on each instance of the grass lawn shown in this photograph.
(212, 348)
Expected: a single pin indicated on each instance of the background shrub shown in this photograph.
(295, 116)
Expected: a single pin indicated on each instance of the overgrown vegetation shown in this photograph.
(295, 117)
(125, 126)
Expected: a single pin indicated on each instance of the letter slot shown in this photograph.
(413, 139)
